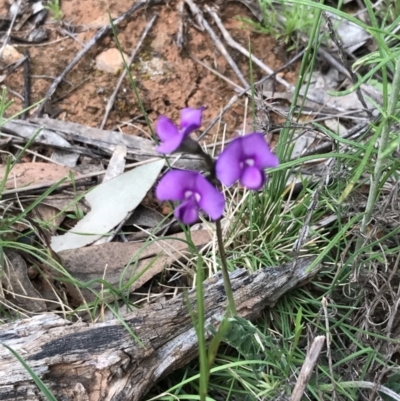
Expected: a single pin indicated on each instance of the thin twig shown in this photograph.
(236, 97)
(195, 10)
(112, 98)
(63, 96)
(307, 368)
(363, 384)
(50, 77)
(217, 73)
(15, 93)
(231, 42)
(8, 34)
(12, 67)
(63, 31)
(356, 131)
(328, 344)
(180, 39)
(27, 85)
(30, 45)
(334, 62)
(100, 34)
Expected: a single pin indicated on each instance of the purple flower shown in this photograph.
(171, 137)
(195, 192)
(245, 159)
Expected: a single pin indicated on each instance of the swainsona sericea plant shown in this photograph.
(244, 160)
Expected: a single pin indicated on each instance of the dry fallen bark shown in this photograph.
(59, 134)
(95, 362)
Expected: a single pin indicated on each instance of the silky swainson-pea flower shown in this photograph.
(194, 191)
(245, 159)
(171, 136)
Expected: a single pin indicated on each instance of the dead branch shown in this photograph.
(80, 361)
(59, 134)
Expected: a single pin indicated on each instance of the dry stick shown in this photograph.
(334, 62)
(180, 40)
(328, 344)
(27, 85)
(217, 73)
(196, 11)
(342, 56)
(231, 42)
(66, 94)
(363, 384)
(112, 98)
(8, 34)
(354, 132)
(307, 368)
(236, 97)
(13, 66)
(100, 34)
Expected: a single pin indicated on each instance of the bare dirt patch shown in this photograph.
(167, 77)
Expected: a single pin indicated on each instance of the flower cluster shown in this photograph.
(243, 160)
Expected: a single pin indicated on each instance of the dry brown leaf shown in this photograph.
(109, 261)
(17, 287)
(49, 214)
(24, 174)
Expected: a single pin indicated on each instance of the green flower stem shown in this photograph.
(380, 161)
(203, 359)
(225, 272)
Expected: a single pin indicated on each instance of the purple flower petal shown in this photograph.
(173, 185)
(170, 145)
(188, 211)
(255, 147)
(211, 200)
(169, 134)
(190, 120)
(253, 178)
(166, 129)
(228, 168)
(195, 192)
(245, 158)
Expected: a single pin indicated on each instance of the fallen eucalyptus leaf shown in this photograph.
(110, 203)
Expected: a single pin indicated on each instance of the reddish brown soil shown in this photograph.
(167, 78)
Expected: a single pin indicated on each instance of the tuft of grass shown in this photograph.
(54, 6)
(287, 22)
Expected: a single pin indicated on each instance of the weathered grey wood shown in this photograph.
(59, 134)
(95, 362)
